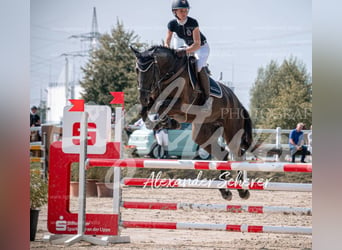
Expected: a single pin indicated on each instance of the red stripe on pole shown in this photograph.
(223, 166)
(297, 168)
(150, 205)
(235, 228)
(136, 163)
(255, 229)
(256, 209)
(143, 224)
(234, 208)
(201, 165)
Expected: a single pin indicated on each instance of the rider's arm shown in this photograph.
(168, 38)
(197, 41)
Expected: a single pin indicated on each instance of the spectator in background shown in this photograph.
(34, 122)
(34, 117)
(296, 142)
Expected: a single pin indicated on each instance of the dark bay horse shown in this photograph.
(166, 88)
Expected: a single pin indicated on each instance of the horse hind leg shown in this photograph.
(235, 145)
(241, 177)
(208, 141)
(243, 193)
(225, 192)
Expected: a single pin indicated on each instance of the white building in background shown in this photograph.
(57, 98)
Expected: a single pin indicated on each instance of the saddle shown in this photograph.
(215, 88)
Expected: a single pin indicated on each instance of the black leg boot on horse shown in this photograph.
(204, 82)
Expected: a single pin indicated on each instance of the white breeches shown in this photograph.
(202, 55)
(162, 137)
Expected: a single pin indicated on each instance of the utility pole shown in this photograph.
(92, 36)
(70, 82)
(66, 84)
(67, 81)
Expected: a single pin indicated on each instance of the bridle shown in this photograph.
(167, 78)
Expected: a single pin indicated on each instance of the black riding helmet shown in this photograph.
(179, 4)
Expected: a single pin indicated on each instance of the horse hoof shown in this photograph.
(226, 194)
(244, 194)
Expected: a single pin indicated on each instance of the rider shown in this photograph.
(187, 28)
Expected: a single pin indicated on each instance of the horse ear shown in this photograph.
(136, 52)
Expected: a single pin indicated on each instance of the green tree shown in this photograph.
(281, 95)
(111, 68)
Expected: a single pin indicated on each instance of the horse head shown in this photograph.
(152, 67)
(155, 68)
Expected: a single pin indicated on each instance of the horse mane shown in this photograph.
(155, 47)
(147, 55)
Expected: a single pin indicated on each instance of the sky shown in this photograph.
(243, 35)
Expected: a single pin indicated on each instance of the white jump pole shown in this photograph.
(117, 179)
(117, 170)
(82, 190)
(278, 141)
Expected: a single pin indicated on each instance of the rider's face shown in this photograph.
(182, 13)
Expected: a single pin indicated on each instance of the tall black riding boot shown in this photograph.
(159, 151)
(204, 82)
(166, 153)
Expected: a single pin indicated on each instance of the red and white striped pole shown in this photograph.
(217, 227)
(214, 184)
(202, 165)
(216, 207)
